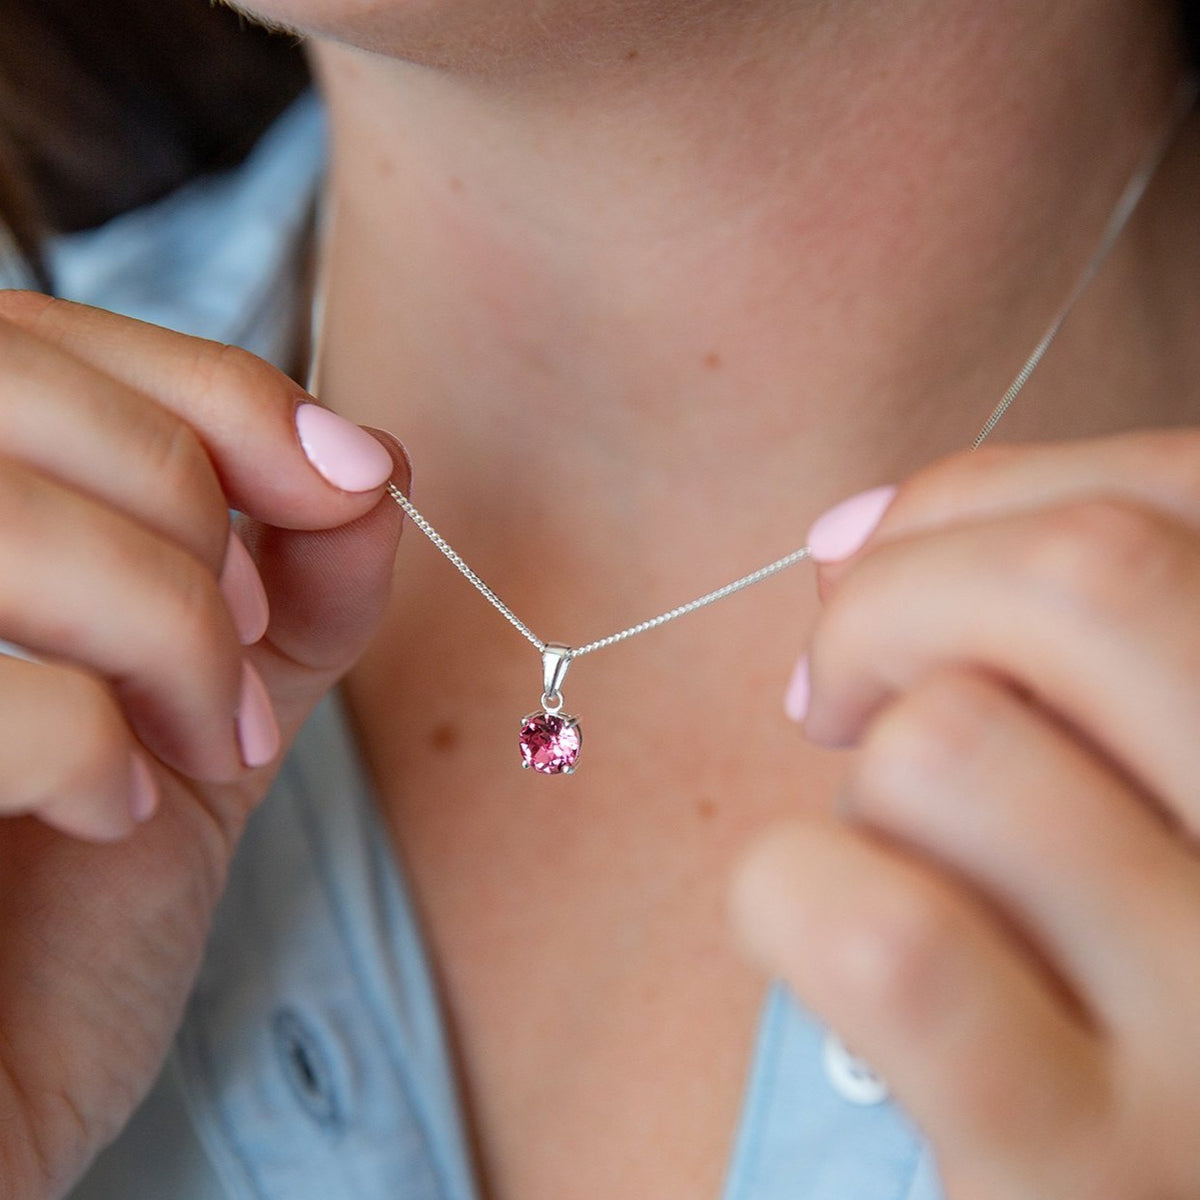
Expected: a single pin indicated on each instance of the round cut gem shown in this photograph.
(549, 743)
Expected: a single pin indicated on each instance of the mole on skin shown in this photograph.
(444, 737)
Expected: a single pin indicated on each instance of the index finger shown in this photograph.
(280, 457)
(1156, 469)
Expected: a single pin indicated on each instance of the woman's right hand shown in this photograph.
(122, 449)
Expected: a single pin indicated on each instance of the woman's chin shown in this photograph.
(476, 36)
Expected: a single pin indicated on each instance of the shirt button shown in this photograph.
(850, 1077)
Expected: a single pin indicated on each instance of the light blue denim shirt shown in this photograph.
(312, 1061)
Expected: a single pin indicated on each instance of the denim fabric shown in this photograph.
(219, 258)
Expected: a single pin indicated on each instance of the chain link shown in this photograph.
(444, 546)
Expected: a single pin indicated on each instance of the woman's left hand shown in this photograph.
(1006, 921)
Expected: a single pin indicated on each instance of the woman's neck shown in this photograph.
(794, 249)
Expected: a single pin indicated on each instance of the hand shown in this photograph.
(1006, 924)
(122, 448)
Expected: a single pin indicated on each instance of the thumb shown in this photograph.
(326, 589)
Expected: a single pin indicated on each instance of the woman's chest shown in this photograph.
(602, 1018)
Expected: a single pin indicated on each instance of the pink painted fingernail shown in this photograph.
(795, 699)
(345, 455)
(143, 791)
(257, 729)
(842, 530)
(243, 590)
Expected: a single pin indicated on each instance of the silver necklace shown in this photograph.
(550, 740)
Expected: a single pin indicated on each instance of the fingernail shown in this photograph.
(243, 590)
(842, 530)
(795, 699)
(143, 791)
(345, 455)
(257, 730)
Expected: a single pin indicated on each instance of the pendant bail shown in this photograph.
(556, 658)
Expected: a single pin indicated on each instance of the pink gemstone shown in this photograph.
(550, 744)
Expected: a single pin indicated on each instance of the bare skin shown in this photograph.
(645, 287)
(658, 327)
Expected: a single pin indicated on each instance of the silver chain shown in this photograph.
(1123, 210)
(511, 617)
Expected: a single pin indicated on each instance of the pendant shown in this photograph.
(550, 739)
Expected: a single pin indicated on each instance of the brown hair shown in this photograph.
(104, 108)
